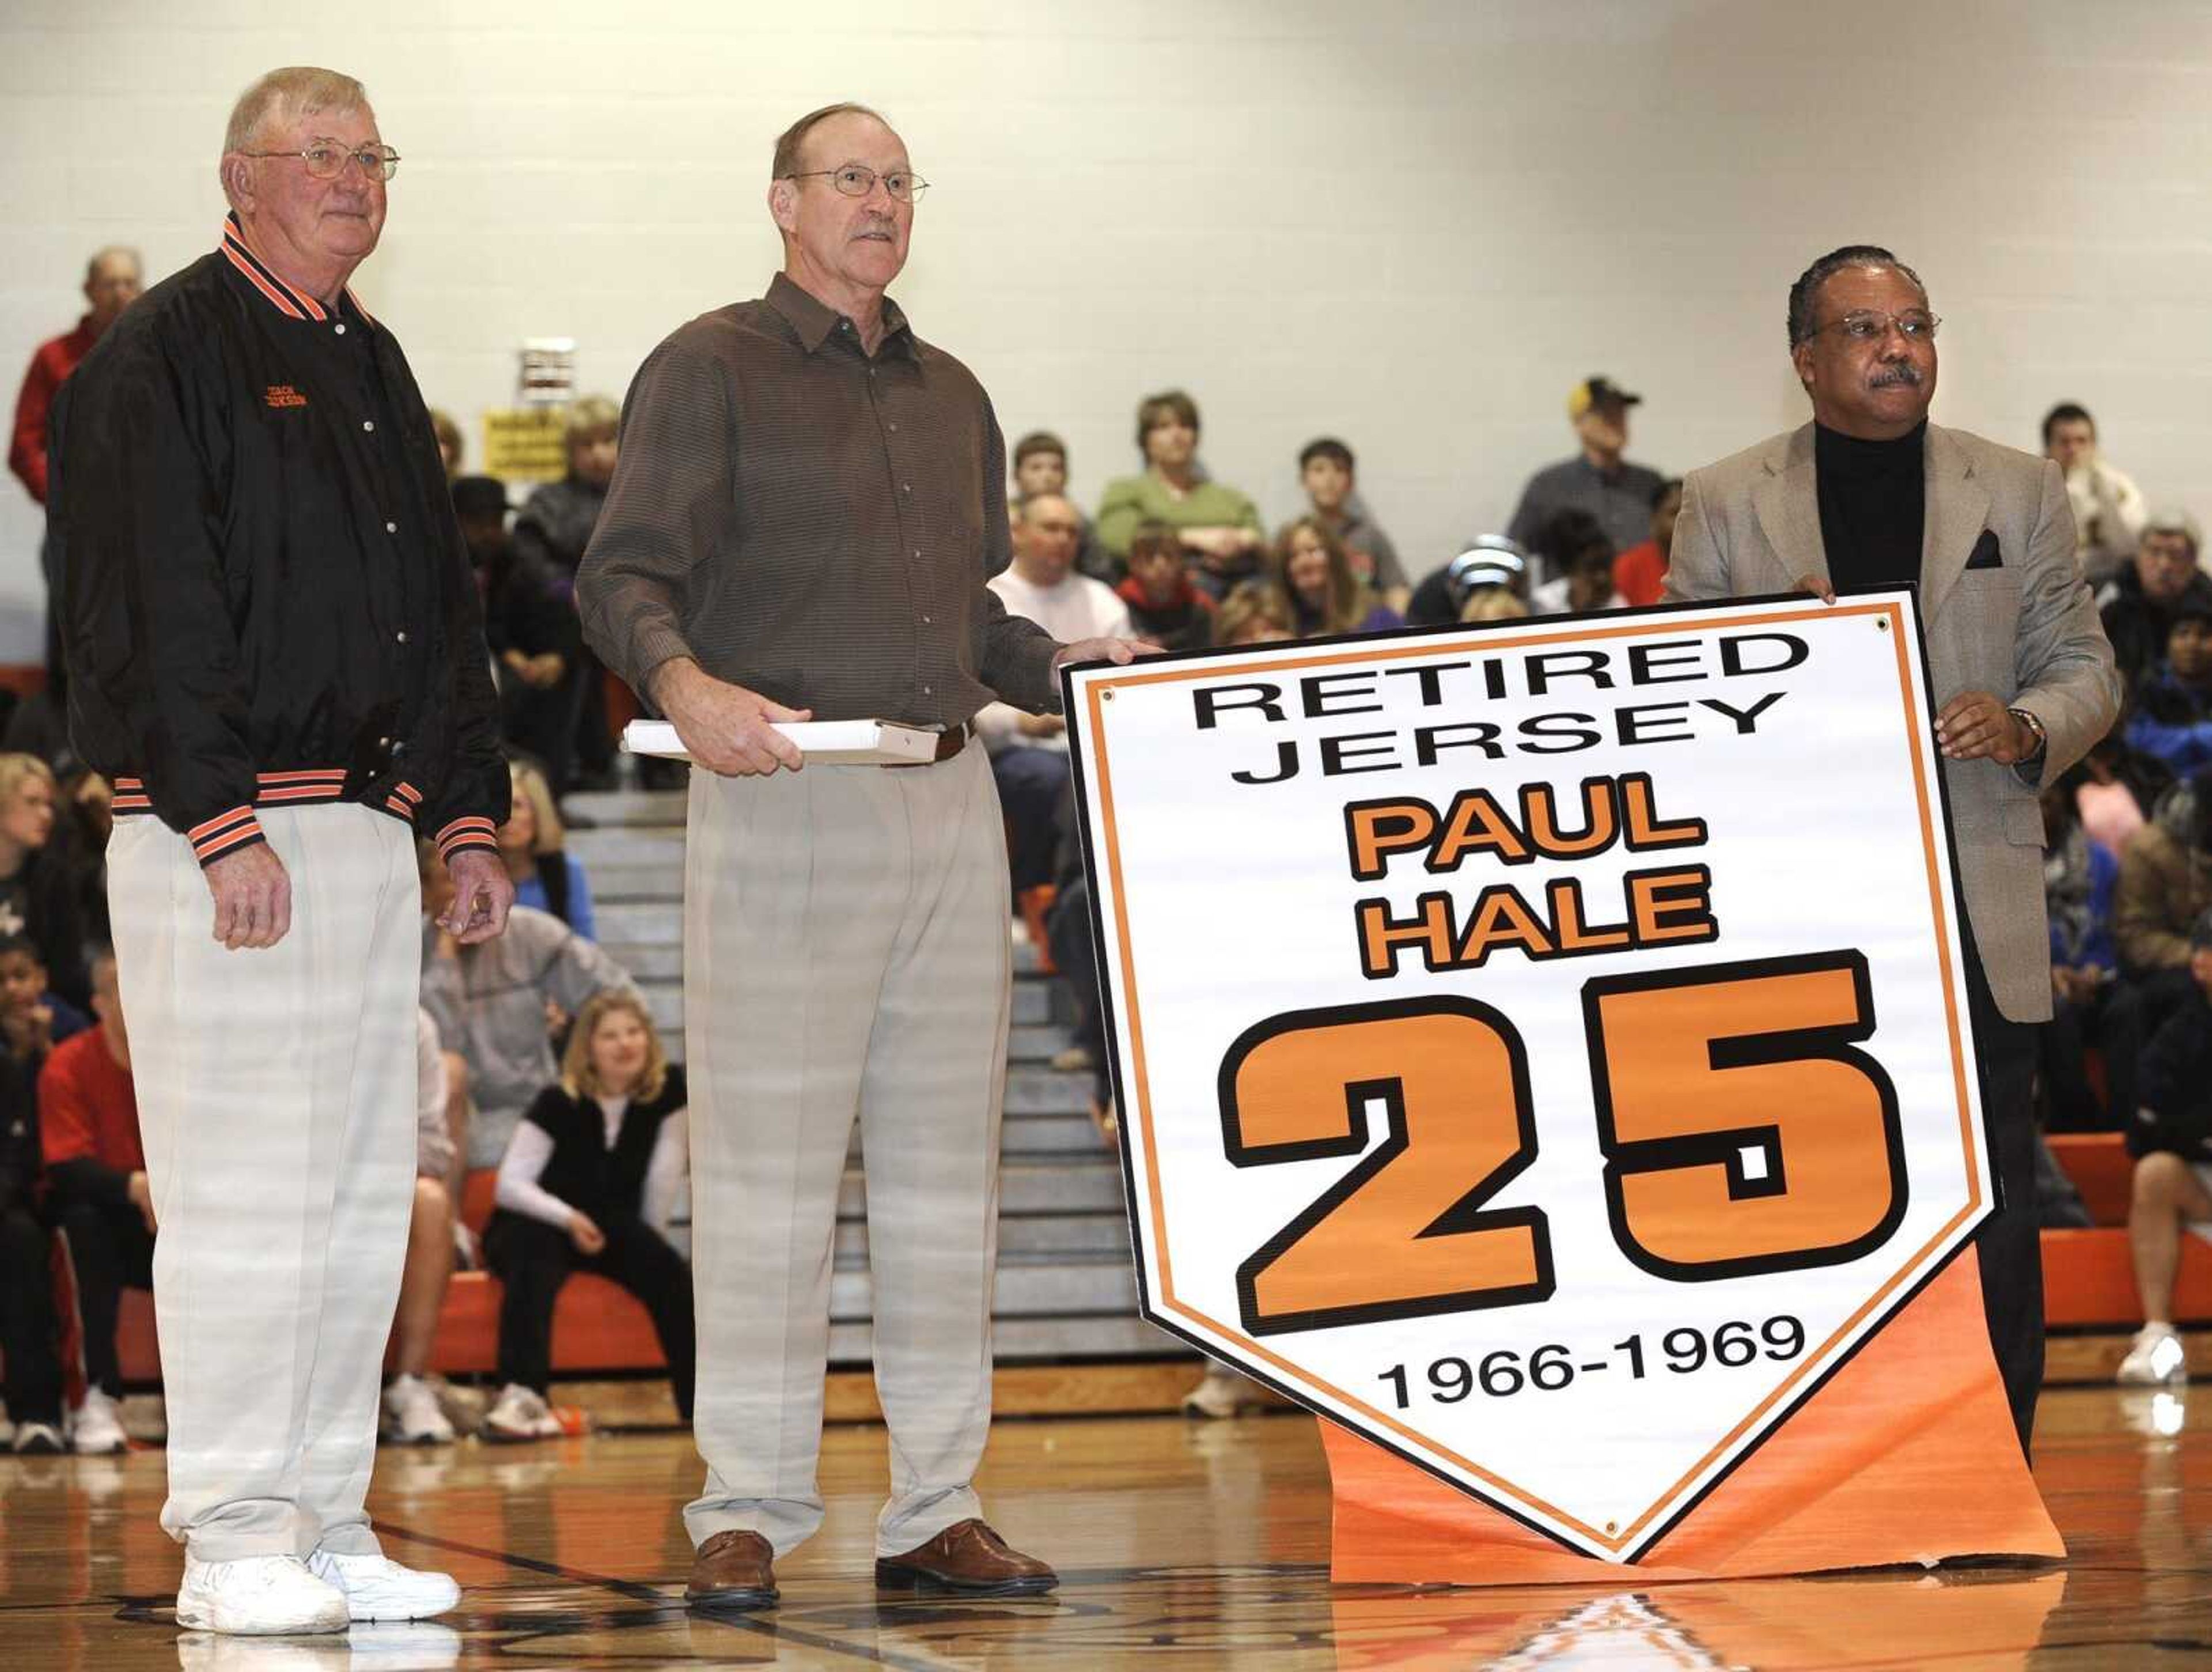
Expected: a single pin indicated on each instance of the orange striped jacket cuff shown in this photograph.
(226, 833)
(464, 833)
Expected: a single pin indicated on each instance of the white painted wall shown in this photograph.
(1411, 222)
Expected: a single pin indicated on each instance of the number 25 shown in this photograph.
(1742, 1133)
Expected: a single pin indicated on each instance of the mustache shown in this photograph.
(1891, 375)
(878, 223)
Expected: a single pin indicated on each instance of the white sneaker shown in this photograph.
(378, 1588)
(412, 1415)
(521, 1413)
(37, 1440)
(258, 1596)
(2155, 1357)
(99, 1427)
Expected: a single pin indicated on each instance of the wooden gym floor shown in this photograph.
(1183, 1544)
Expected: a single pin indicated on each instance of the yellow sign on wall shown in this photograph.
(526, 444)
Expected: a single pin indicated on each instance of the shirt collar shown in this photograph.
(291, 303)
(817, 322)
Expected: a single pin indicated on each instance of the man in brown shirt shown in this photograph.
(807, 500)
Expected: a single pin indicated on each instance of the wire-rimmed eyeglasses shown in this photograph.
(857, 179)
(326, 159)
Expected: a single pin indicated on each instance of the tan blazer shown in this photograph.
(2025, 631)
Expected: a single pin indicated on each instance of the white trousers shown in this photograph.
(276, 1100)
(845, 953)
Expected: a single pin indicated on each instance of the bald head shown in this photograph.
(112, 279)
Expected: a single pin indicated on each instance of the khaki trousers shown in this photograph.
(276, 1100)
(845, 952)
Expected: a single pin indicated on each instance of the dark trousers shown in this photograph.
(2010, 1240)
(109, 1247)
(533, 1260)
(34, 1386)
(1068, 931)
(1032, 783)
(2107, 1020)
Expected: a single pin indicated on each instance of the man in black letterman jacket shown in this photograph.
(277, 655)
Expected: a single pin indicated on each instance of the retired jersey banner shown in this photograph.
(1542, 1048)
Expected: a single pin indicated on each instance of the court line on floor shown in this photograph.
(637, 1590)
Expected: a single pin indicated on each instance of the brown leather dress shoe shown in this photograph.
(971, 1558)
(733, 1573)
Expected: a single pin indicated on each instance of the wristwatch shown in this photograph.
(2042, 737)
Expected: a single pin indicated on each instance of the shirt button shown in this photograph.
(894, 429)
(341, 329)
(906, 487)
(925, 621)
(925, 690)
(366, 424)
(403, 638)
(917, 551)
(384, 743)
(392, 528)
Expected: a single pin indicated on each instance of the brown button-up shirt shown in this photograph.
(811, 523)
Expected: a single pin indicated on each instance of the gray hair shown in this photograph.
(2174, 520)
(287, 94)
(1807, 291)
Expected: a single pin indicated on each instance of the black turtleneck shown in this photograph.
(1873, 499)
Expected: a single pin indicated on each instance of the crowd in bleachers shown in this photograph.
(541, 1066)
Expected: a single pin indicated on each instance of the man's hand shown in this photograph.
(141, 1198)
(1118, 651)
(253, 898)
(545, 670)
(483, 892)
(588, 1236)
(1974, 725)
(725, 728)
(1039, 726)
(1818, 587)
(2200, 968)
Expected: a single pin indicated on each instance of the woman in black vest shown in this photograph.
(588, 1183)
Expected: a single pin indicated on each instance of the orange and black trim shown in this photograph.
(240, 828)
(464, 834)
(292, 304)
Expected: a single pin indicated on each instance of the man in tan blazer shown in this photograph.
(1871, 494)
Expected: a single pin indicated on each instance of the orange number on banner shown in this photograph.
(1742, 1132)
(1402, 1235)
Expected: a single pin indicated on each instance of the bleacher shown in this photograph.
(1066, 1291)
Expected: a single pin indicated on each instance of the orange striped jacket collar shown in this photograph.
(292, 304)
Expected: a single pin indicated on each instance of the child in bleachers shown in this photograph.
(29, 1010)
(37, 895)
(1166, 607)
(2172, 1140)
(33, 1385)
(590, 1181)
(531, 844)
(2081, 877)
(97, 1188)
(2172, 717)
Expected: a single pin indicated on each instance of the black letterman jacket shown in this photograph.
(265, 598)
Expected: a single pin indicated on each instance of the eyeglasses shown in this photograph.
(1871, 325)
(856, 181)
(326, 159)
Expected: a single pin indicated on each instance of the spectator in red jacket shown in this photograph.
(112, 279)
(96, 1188)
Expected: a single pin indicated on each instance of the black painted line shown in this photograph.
(637, 1591)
